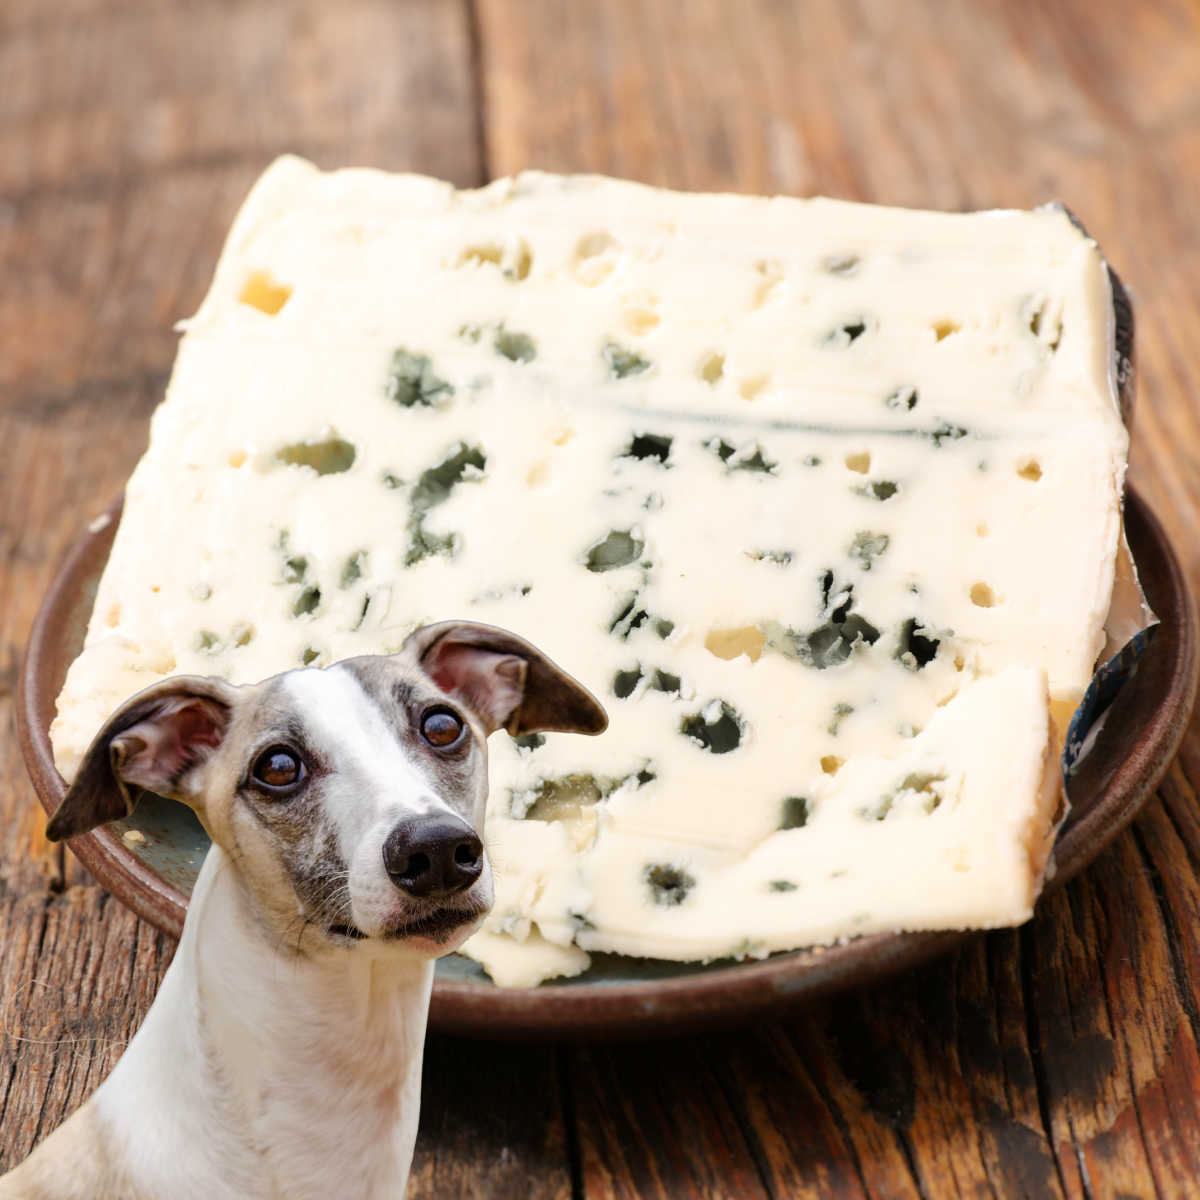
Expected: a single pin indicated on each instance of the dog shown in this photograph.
(282, 1054)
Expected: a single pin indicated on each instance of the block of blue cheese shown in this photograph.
(822, 499)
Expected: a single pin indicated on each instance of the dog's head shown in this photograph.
(349, 798)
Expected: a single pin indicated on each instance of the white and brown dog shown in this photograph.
(282, 1055)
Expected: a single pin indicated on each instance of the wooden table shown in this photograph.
(1058, 1059)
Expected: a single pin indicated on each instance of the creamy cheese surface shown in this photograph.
(822, 500)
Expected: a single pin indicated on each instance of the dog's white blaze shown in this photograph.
(376, 779)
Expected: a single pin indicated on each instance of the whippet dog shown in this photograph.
(282, 1055)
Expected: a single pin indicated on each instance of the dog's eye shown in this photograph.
(277, 767)
(441, 728)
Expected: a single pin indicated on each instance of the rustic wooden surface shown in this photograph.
(1057, 1060)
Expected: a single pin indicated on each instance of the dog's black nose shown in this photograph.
(435, 856)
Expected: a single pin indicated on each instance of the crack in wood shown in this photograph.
(832, 1107)
(1188, 799)
(1117, 1030)
(882, 1072)
(570, 1116)
(907, 1149)
(1015, 1090)
(960, 1040)
(8, 1086)
(1180, 976)
(479, 84)
(1041, 1084)
(723, 1076)
(47, 901)
(57, 883)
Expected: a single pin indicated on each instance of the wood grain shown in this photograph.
(1057, 1060)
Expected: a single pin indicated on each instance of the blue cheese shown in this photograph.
(823, 499)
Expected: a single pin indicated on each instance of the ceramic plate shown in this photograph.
(154, 874)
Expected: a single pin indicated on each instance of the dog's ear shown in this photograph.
(156, 741)
(505, 681)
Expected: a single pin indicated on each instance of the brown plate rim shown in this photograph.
(720, 994)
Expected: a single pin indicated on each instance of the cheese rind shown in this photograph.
(818, 497)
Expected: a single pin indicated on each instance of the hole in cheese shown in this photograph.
(521, 263)
(904, 398)
(624, 682)
(1045, 323)
(712, 367)
(307, 602)
(879, 489)
(717, 729)
(594, 259)
(669, 884)
(515, 346)
(640, 321)
(514, 261)
(732, 643)
(753, 387)
(262, 292)
(593, 245)
(982, 595)
(654, 447)
(845, 264)
(1030, 468)
(794, 812)
(478, 255)
(859, 461)
(352, 569)
(623, 362)
(831, 764)
(331, 456)
(771, 273)
(618, 548)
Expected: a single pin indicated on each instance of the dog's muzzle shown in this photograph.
(433, 857)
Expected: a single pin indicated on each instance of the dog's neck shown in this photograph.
(305, 1071)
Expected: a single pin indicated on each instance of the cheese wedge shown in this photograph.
(823, 500)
